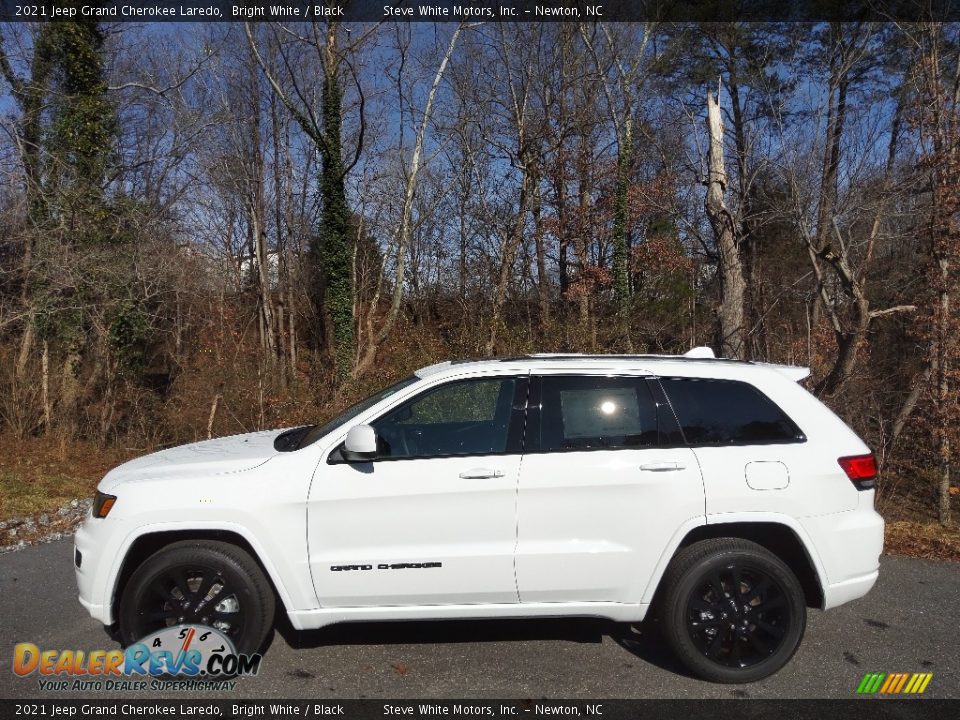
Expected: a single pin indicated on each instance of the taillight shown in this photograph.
(861, 469)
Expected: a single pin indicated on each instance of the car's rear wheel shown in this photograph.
(200, 582)
(732, 611)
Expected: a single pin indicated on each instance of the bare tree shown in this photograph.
(405, 227)
(724, 231)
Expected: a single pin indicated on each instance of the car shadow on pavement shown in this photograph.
(642, 640)
(426, 632)
(646, 641)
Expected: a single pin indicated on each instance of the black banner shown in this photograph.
(867, 709)
(479, 10)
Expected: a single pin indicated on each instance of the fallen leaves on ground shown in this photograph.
(922, 540)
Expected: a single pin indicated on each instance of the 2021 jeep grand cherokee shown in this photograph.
(721, 493)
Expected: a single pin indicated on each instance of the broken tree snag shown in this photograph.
(732, 285)
(213, 414)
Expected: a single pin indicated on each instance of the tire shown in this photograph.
(165, 591)
(732, 611)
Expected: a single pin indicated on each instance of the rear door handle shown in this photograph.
(663, 466)
(480, 473)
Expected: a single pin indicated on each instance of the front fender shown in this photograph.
(280, 574)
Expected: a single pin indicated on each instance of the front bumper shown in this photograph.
(93, 543)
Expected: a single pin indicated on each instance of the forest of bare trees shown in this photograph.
(214, 229)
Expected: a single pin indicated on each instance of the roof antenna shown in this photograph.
(701, 351)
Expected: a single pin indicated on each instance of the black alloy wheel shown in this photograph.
(732, 611)
(738, 615)
(199, 583)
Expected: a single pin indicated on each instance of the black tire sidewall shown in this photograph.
(683, 644)
(251, 589)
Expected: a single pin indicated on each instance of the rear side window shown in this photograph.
(585, 413)
(727, 412)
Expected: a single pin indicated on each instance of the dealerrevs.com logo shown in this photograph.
(182, 657)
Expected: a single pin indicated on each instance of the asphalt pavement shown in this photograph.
(908, 623)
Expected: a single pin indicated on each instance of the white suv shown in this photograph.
(719, 493)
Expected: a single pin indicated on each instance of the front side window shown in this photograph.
(301, 437)
(595, 412)
(728, 412)
(466, 417)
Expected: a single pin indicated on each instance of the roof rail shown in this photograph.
(697, 353)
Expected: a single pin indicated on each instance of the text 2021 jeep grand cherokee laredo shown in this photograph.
(720, 493)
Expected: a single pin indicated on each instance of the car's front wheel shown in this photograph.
(732, 611)
(202, 582)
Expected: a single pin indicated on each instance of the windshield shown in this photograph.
(318, 431)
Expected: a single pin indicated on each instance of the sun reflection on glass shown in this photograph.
(607, 407)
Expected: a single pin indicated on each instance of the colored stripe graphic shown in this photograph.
(919, 683)
(894, 683)
(890, 682)
(900, 683)
(870, 683)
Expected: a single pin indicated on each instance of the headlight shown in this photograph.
(102, 503)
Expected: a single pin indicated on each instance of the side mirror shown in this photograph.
(361, 444)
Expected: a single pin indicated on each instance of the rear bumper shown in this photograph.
(842, 592)
(849, 545)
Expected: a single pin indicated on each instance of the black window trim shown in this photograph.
(516, 429)
(666, 417)
(523, 431)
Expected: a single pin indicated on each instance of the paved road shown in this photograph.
(906, 624)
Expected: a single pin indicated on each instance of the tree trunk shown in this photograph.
(293, 342)
(943, 397)
(263, 288)
(26, 345)
(279, 193)
(212, 417)
(731, 270)
(849, 336)
(506, 266)
(906, 410)
(621, 281)
(621, 235)
(70, 392)
(45, 387)
(543, 282)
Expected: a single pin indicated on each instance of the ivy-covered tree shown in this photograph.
(331, 248)
(79, 141)
(84, 313)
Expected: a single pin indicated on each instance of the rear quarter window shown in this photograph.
(728, 412)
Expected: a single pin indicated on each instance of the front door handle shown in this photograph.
(663, 466)
(480, 473)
